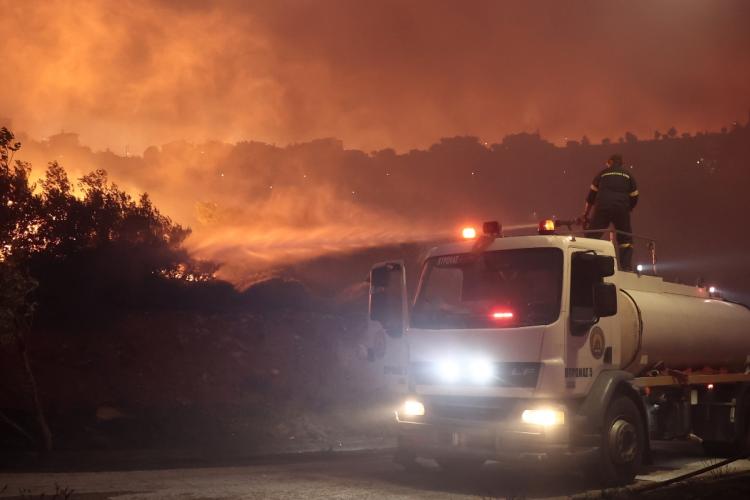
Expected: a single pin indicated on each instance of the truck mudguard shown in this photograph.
(594, 407)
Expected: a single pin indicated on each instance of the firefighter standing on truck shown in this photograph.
(613, 195)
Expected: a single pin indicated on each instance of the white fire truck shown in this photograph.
(539, 347)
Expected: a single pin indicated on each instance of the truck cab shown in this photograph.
(518, 348)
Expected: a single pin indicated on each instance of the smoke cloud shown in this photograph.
(251, 240)
(198, 76)
(376, 74)
(254, 208)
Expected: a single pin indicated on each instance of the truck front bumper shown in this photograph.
(503, 441)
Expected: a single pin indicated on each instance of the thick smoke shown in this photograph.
(252, 208)
(129, 74)
(296, 225)
(126, 74)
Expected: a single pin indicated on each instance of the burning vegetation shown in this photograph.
(49, 224)
(112, 316)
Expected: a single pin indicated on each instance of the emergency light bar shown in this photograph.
(547, 226)
(492, 228)
(489, 228)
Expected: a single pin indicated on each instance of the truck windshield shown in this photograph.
(498, 289)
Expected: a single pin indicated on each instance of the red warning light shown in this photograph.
(502, 315)
(469, 233)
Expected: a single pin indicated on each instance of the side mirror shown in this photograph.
(600, 265)
(605, 265)
(605, 300)
(387, 298)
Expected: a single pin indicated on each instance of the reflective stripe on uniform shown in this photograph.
(623, 174)
(625, 245)
(594, 188)
(634, 193)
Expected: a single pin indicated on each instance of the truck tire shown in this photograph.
(623, 443)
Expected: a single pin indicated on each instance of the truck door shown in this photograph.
(592, 326)
(388, 322)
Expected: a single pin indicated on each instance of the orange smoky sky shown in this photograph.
(375, 74)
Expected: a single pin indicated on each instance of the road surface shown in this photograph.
(359, 475)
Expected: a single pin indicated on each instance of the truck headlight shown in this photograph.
(449, 370)
(481, 371)
(546, 417)
(412, 408)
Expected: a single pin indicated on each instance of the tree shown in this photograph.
(630, 137)
(19, 236)
(103, 252)
(16, 314)
(585, 141)
(606, 141)
(672, 132)
(657, 135)
(18, 206)
(62, 257)
(525, 141)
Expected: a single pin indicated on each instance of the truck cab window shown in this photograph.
(466, 290)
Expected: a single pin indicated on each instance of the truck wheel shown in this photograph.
(623, 443)
(460, 466)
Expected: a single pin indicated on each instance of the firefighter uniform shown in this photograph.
(613, 195)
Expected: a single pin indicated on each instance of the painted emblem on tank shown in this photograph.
(596, 342)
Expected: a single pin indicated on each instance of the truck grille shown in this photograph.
(468, 408)
(510, 374)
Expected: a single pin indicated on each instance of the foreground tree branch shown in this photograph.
(38, 408)
(8, 421)
(16, 312)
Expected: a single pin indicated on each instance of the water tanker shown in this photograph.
(680, 327)
(539, 347)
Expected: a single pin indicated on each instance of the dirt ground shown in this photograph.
(363, 475)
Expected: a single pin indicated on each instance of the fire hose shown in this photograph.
(689, 475)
